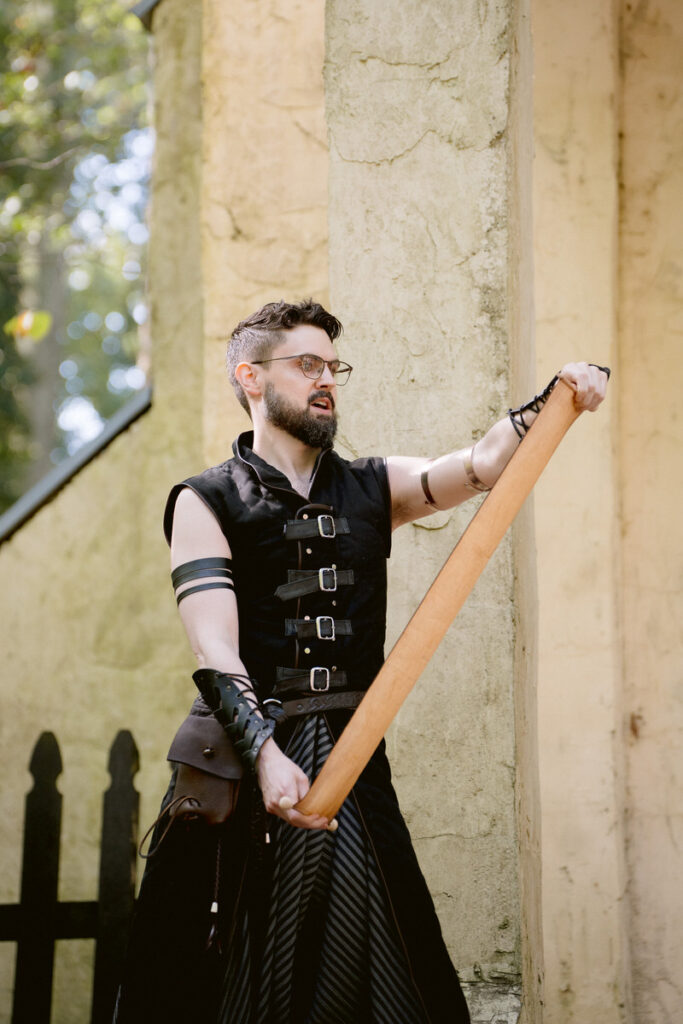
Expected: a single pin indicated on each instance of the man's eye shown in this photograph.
(309, 363)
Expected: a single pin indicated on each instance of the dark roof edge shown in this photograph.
(44, 491)
(144, 9)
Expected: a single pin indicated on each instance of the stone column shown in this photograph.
(580, 689)
(429, 118)
(650, 444)
(264, 187)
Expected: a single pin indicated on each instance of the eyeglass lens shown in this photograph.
(314, 367)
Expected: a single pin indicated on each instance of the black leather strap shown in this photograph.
(473, 480)
(424, 480)
(312, 705)
(324, 525)
(201, 567)
(204, 586)
(324, 627)
(534, 405)
(318, 679)
(304, 581)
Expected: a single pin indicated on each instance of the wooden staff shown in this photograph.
(440, 605)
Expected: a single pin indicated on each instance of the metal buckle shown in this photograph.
(331, 574)
(324, 627)
(326, 527)
(315, 675)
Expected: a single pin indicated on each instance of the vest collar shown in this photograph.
(270, 476)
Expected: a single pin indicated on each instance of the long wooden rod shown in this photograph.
(438, 608)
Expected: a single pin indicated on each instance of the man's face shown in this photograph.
(305, 408)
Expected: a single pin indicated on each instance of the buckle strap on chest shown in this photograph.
(320, 526)
(324, 627)
(303, 581)
(318, 679)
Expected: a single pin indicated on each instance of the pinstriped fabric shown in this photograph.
(328, 904)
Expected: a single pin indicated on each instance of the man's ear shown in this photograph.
(249, 378)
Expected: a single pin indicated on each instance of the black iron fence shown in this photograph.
(39, 919)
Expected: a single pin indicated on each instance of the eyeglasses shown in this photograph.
(314, 366)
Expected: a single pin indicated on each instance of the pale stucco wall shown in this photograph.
(575, 235)
(607, 187)
(650, 456)
(264, 195)
(424, 232)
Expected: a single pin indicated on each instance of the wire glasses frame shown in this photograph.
(313, 367)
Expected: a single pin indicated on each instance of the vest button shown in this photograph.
(305, 515)
(307, 650)
(309, 551)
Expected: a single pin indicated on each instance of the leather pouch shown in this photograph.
(208, 774)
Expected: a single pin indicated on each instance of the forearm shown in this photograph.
(214, 652)
(492, 453)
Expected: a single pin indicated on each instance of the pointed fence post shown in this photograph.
(39, 879)
(116, 894)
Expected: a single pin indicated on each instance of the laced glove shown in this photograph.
(237, 710)
(534, 405)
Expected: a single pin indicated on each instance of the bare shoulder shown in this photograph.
(196, 531)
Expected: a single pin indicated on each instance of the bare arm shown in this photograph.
(211, 621)
(455, 477)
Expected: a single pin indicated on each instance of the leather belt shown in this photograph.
(324, 627)
(318, 679)
(325, 702)
(319, 526)
(303, 581)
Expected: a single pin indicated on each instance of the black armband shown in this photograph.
(535, 405)
(236, 710)
(201, 568)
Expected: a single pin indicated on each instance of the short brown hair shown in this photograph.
(257, 336)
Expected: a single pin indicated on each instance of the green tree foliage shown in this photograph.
(74, 163)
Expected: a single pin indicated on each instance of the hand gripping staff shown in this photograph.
(438, 608)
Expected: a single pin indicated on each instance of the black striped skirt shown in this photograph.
(330, 952)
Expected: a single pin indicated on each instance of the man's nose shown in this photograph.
(326, 378)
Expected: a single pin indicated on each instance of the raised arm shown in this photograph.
(421, 486)
(209, 615)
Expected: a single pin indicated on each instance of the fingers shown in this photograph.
(283, 784)
(589, 383)
(286, 804)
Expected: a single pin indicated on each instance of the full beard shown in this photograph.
(315, 431)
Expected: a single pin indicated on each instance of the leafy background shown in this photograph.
(75, 155)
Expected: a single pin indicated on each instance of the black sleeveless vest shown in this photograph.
(310, 574)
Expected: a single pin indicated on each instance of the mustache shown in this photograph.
(322, 394)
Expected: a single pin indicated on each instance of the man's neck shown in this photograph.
(284, 452)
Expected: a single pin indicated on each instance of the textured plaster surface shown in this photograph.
(91, 643)
(580, 740)
(651, 442)
(420, 272)
(264, 196)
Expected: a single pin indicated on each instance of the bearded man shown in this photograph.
(279, 564)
